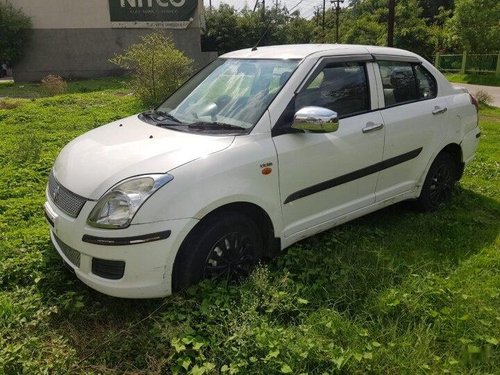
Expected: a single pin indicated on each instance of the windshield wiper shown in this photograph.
(160, 116)
(214, 126)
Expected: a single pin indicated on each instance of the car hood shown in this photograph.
(94, 162)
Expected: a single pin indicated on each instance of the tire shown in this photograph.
(223, 247)
(438, 184)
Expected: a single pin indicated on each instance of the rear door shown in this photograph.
(326, 175)
(414, 118)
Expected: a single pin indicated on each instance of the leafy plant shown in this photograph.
(15, 32)
(483, 98)
(157, 67)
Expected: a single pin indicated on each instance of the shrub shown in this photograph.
(483, 98)
(15, 32)
(158, 68)
(53, 85)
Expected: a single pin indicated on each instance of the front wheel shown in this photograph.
(225, 247)
(438, 184)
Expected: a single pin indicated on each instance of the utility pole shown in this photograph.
(390, 23)
(337, 15)
(323, 24)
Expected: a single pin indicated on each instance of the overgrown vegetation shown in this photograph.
(394, 292)
(15, 32)
(157, 67)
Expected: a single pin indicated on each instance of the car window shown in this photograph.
(341, 87)
(404, 82)
(426, 83)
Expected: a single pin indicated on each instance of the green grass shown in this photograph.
(393, 292)
(475, 79)
(35, 90)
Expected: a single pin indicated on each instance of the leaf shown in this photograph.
(302, 301)
(196, 370)
(492, 341)
(285, 369)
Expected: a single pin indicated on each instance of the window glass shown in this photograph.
(230, 91)
(341, 87)
(426, 83)
(398, 82)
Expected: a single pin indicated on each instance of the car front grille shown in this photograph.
(67, 201)
(72, 254)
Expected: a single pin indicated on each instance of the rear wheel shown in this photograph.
(225, 247)
(438, 184)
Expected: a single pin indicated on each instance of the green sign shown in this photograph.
(151, 10)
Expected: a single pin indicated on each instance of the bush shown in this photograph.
(483, 98)
(53, 85)
(15, 32)
(158, 68)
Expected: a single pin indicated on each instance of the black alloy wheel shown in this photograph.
(231, 258)
(223, 247)
(439, 183)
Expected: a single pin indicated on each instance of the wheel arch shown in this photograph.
(455, 151)
(257, 214)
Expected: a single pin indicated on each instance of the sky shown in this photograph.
(306, 7)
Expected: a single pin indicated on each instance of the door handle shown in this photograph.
(370, 127)
(437, 110)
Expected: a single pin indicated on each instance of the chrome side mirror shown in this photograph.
(316, 119)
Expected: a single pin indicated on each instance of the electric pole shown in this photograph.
(337, 14)
(390, 23)
(323, 23)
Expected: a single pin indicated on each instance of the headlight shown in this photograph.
(117, 207)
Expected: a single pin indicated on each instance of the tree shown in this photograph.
(14, 33)
(475, 24)
(158, 68)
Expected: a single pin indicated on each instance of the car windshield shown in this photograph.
(233, 93)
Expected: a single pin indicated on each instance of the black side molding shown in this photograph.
(374, 168)
(120, 241)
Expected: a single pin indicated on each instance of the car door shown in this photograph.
(324, 176)
(414, 117)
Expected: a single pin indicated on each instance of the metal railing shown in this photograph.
(468, 63)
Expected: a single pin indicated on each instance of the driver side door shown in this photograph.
(324, 176)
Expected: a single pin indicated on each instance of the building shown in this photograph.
(76, 38)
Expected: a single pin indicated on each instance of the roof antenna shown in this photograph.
(254, 48)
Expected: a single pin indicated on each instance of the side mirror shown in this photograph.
(316, 119)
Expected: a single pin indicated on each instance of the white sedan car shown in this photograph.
(260, 149)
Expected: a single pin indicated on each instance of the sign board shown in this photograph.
(151, 13)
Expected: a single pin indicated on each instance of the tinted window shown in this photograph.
(341, 87)
(427, 87)
(405, 82)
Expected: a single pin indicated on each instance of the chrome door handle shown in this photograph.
(437, 110)
(370, 127)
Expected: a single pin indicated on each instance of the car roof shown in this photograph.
(301, 51)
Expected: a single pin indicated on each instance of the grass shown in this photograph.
(35, 90)
(475, 79)
(393, 292)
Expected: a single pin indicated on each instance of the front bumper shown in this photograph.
(131, 269)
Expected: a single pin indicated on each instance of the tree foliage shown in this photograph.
(158, 68)
(422, 26)
(476, 25)
(14, 32)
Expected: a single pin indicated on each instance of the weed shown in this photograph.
(54, 85)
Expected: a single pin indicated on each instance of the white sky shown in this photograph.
(306, 7)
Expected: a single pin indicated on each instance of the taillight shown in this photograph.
(474, 102)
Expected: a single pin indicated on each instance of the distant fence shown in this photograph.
(468, 63)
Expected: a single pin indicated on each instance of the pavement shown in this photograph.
(492, 90)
